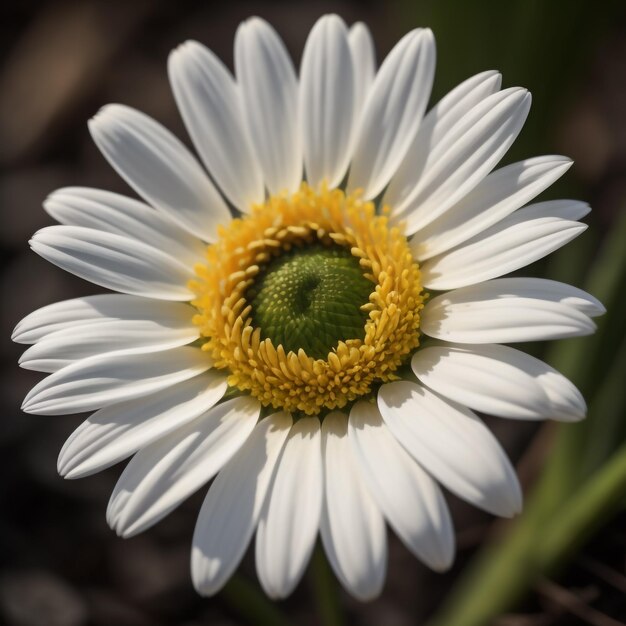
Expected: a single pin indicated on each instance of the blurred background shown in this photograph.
(563, 562)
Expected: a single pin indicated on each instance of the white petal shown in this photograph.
(167, 329)
(159, 168)
(269, 89)
(566, 402)
(290, 519)
(114, 262)
(363, 62)
(409, 498)
(514, 242)
(393, 111)
(120, 215)
(497, 196)
(352, 526)
(233, 504)
(327, 102)
(572, 210)
(453, 445)
(540, 288)
(115, 432)
(498, 380)
(439, 120)
(212, 110)
(88, 310)
(104, 380)
(492, 312)
(465, 155)
(163, 474)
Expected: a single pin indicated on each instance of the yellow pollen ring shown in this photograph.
(295, 381)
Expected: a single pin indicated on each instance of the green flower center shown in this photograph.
(310, 298)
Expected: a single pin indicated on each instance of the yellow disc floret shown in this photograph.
(292, 379)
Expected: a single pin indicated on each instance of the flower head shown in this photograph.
(314, 322)
(310, 301)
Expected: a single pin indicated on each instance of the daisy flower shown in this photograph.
(313, 317)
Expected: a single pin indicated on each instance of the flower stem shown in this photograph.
(325, 590)
(251, 604)
(502, 575)
(601, 496)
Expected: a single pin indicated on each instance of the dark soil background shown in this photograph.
(60, 565)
